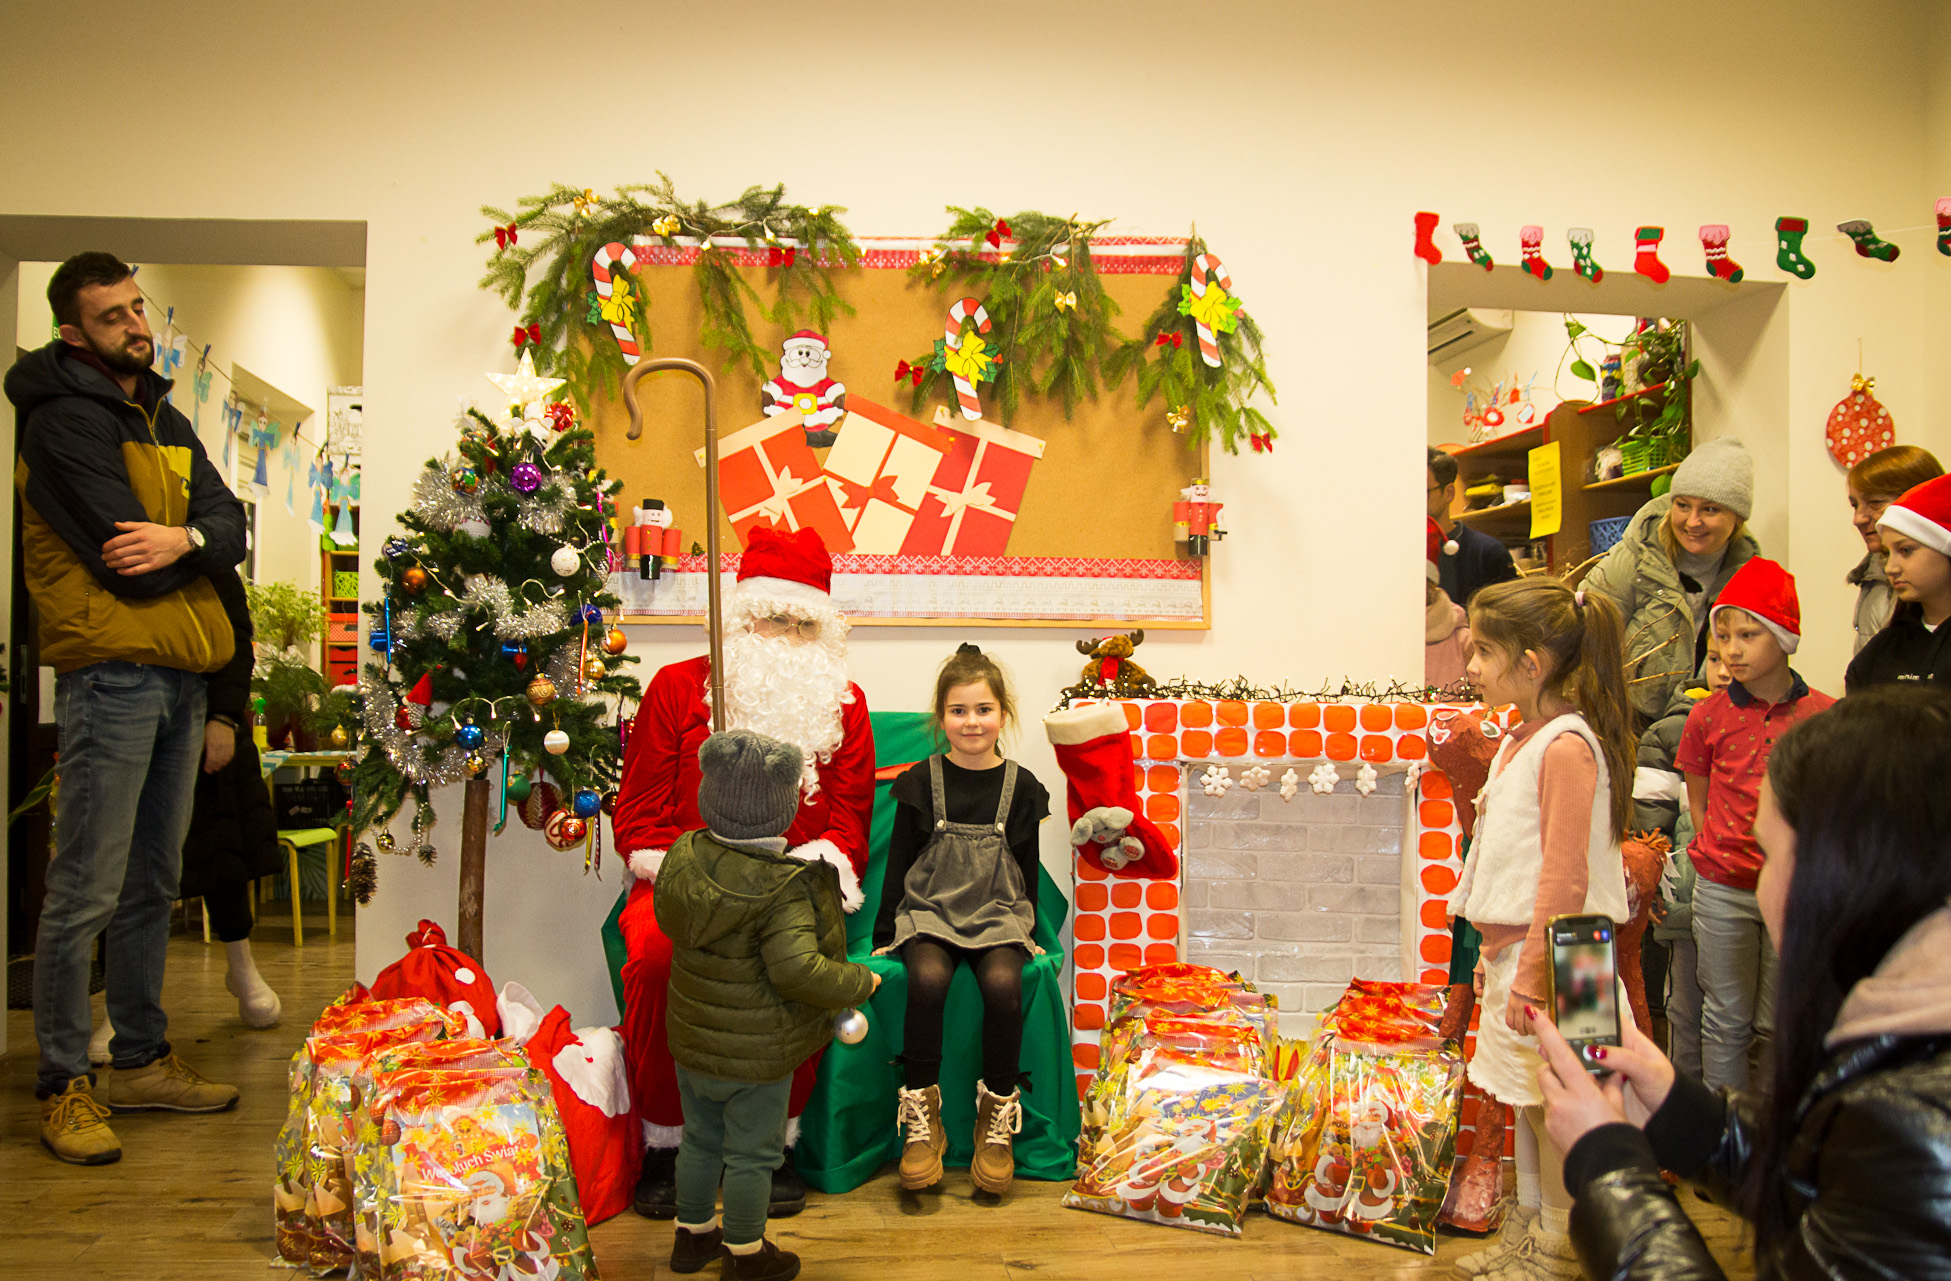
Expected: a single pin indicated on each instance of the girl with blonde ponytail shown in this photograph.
(1551, 816)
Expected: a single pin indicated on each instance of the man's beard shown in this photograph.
(122, 360)
(791, 692)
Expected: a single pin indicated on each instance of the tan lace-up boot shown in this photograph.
(920, 1117)
(74, 1126)
(999, 1118)
(167, 1085)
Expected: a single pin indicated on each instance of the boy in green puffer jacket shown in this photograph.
(758, 964)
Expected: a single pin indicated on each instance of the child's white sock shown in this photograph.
(750, 1247)
(699, 1229)
(1527, 1164)
(1555, 1219)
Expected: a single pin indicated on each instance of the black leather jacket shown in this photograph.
(1870, 1169)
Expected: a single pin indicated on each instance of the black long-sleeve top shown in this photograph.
(972, 797)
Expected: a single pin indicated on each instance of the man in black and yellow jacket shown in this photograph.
(121, 514)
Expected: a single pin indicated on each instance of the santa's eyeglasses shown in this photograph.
(787, 625)
(802, 356)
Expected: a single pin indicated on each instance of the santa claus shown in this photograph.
(802, 387)
(785, 652)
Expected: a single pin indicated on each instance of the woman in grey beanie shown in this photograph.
(1669, 568)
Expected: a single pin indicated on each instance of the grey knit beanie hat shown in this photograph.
(750, 787)
(1719, 471)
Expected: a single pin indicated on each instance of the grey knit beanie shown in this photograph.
(750, 787)
(1719, 471)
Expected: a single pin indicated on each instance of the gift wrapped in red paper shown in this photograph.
(881, 465)
(971, 504)
(768, 477)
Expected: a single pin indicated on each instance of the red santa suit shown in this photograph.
(658, 802)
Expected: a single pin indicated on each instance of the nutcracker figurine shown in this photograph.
(651, 539)
(1195, 518)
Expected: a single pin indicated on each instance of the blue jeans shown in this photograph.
(734, 1131)
(1737, 980)
(131, 737)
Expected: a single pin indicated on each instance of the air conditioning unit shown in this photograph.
(1464, 328)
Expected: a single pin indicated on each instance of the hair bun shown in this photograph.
(966, 648)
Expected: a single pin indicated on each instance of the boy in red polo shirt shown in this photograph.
(1723, 752)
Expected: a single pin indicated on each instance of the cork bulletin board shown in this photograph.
(1087, 542)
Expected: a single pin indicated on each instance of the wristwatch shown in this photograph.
(221, 719)
(197, 539)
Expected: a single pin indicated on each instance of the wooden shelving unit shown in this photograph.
(340, 653)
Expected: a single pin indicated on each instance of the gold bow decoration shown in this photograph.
(1066, 301)
(933, 260)
(1180, 418)
(666, 226)
(586, 201)
(618, 308)
(1215, 309)
(971, 361)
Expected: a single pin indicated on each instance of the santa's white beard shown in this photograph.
(802, 375)
(1369, 1134)
(790, 692)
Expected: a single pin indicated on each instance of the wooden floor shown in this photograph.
(191, 1196)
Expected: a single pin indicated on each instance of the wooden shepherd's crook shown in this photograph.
(713, 611)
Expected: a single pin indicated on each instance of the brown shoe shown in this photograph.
(767, 1263)
(167, 1085)
(998, 1118)
(921, 1156)
(74, 1126)
(693, 1250)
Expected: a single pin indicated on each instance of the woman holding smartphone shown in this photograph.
(1844, 1168)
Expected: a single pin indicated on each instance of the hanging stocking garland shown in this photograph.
(1868, 243)
(1582, 260)
(1788, 247)
(1532, 240)
(1944, 226)
(1471, 236)
(1425, 239)
(1646, 241)
(1713, 242)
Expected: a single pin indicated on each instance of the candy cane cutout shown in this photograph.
(1203, 265)
(606, 261)
(965, 390)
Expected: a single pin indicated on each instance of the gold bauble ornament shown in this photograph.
(594, 669)
(414, 579)
(384, 842)
(339, 737)
(541, 692)
(476, 765)
(615, 642)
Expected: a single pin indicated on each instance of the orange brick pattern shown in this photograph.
(1119, 925)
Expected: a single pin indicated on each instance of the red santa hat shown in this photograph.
(806, 336)
(1766, 591)
(1923, 513)
(790, 567)
(1436, 546)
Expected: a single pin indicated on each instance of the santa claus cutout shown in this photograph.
(802, 387)
(785, 653)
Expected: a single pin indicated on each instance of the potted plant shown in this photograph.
(287, 618)
(1656, 416)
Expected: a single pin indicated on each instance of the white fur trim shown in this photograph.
(643, 864)
(593, 1067)
(792, 1131)
(783, 589)
(1916, 525)
(662, 1136)
(521, 1013)
(821, 850)
(1787, 639)
(1082, 724)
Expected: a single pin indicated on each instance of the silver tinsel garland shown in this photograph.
(416, 755)
(541, 515)
(437, 502)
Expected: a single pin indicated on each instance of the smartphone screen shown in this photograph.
(1585, 987)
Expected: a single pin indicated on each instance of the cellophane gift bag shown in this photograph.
(295, 1210)
(1177, 1122)
(1367, 1139)
(471, 1178)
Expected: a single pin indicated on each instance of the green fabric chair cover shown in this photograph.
(847, 1131)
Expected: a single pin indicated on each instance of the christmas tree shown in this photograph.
(492, 658)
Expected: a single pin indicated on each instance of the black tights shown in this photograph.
(999, 975)
(230, 911)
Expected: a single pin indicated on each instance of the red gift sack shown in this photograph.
(447, 976)
(592, 1096)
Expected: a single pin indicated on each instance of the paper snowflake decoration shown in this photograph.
(1290, 785)
(1365, 779)
(1323, 779)
(1255, 778)
(1215, 781)
(1413, 771)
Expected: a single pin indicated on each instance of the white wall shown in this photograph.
(1302, 137)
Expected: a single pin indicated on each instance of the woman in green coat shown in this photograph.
(1666, 573)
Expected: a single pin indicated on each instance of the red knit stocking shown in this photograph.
(1108, 820)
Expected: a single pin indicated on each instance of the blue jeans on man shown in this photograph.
(131, 738)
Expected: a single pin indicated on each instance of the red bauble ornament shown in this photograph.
(564, 830)
(615, 642)
(414, 579)
(403, 718)
(543, 800)
(1859, 425)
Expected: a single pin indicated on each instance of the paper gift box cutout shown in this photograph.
(971, 503)
(879, 470)
(768, 477)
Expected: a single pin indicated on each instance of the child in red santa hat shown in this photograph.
(1913, 646)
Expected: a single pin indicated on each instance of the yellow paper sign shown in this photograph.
(1547, 496)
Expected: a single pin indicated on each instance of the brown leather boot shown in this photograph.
(767, 1263)
(999, 1117)
(691, 1251)
(920, 1116)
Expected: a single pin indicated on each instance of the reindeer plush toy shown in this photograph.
(1111, 665)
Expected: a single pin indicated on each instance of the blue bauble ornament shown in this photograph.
(591, 613)
(586, 803)
(469, 736)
